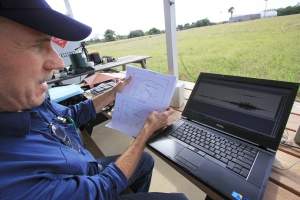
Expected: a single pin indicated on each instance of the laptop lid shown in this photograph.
(255, 110)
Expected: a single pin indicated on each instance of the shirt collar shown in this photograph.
(18, 123)
(15, 123)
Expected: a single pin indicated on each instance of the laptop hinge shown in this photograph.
(270, 150)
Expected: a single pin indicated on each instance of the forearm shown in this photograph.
(129, 160)
(103, 100)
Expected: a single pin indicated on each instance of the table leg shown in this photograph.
(208, 198)
(123, 67)
(143, 63)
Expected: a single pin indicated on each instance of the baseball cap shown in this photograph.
(37, 14)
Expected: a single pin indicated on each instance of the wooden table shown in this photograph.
(282, 184)
(122, 61)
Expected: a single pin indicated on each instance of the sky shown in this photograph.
(123, 16)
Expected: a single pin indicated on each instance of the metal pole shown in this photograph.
(170, 26)
(265, 8)
(69, 9)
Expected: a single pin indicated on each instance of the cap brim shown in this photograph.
(49, 22)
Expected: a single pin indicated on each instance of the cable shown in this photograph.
(285, 137)
(284, 141)
(287, 168)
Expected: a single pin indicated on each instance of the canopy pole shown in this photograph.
(69, 9)
(170, 28)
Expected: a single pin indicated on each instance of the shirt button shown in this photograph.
(100, 167)
(34, 114)
(81, 150)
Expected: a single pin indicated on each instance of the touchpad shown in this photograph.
(189, 157)
(167, 146)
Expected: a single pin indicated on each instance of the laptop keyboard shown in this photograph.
(102, 87)
(237, 157)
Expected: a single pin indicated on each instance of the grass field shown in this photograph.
(265, 48)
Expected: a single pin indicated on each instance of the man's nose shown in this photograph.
(54, 61)
(59, 63)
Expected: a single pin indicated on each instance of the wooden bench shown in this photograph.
(123, 61)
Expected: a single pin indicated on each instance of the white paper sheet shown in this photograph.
(147, 91)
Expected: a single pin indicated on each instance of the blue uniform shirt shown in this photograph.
(34, 164)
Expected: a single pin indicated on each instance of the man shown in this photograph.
(41, 153)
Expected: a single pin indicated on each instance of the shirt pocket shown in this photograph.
(76, 162)
(73, 132)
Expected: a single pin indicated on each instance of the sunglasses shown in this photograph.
(60, 134)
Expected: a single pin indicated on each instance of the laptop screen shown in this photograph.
(252, 109)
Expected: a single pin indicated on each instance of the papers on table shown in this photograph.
(147, 91)
(64, 92)
(102, 77)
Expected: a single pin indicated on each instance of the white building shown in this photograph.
(268, 13)
(240, 18)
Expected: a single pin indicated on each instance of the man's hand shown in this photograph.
(102, 100)
(121, 83)
(155, 121)
(128, 161)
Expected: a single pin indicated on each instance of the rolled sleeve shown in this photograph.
(83, 112)
(117, 176)
(110, 182)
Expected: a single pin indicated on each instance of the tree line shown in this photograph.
(199, 23)
(110, 35)
(290, 10)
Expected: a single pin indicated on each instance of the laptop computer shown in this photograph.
(229, 132)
